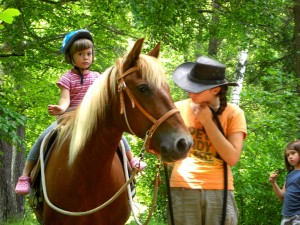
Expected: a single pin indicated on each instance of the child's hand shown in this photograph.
(55, 110)
(273, 176)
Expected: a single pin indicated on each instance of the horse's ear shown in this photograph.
(133, 55)
(155, 51)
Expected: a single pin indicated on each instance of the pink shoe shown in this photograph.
(140, 165)
(23, 185)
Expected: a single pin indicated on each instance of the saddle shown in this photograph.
(36, 198)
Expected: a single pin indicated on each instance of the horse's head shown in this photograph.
(148, 109)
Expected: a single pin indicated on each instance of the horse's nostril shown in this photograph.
(183, 145)
(176, 150)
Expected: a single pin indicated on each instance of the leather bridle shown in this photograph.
(121, 88)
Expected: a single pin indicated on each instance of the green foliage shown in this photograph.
(10, 120)
(31, 64)
(273, 121)
(8, 15)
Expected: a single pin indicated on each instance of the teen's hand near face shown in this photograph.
(202, 112)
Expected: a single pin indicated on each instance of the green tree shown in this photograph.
(31, 63)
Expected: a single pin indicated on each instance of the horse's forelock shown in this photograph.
(152, 71)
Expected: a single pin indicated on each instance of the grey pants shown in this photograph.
(34, 152)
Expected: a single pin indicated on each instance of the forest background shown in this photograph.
(257, 40)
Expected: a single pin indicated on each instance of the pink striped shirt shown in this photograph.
(71, 81)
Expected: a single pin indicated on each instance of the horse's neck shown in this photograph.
(104, 140)
(100, 149)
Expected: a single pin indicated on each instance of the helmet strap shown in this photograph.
(80, 73)
(79, 70)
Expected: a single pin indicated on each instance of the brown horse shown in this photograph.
(83, 170)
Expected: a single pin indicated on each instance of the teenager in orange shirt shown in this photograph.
(197, 182)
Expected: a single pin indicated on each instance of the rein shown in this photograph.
(121, 87)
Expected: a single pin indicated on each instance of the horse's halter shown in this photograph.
(121, 87)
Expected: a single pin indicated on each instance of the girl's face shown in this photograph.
(293, 158)
(206, 97)
(83, 59)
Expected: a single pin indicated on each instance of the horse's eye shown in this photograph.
(144, 88)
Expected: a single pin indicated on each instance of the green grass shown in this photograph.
(27, 219)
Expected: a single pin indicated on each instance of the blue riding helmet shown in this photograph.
(70, 38)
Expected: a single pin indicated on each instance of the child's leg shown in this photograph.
(129, 155)
(134, 162)
(34, 152)
(140, 165)
(29, 165)
(23, 185)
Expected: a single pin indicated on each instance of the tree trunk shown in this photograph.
(297, 41)
(214, 42)
(240, 72)
(12, 156)
(11, 165)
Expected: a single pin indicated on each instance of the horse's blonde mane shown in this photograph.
(80, 124)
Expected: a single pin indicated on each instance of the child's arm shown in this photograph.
(279, 192)
(64, 102)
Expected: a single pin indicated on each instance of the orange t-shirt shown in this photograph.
(202, 169)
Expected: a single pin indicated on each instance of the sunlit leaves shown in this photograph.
(269, 96)
(8, 15)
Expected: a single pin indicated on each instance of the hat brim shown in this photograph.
(180, 77)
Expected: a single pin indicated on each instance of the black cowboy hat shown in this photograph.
(201, 75)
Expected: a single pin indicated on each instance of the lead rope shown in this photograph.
(170, 204)
(225, 172)
(157, 181)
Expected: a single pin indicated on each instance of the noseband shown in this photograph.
(121, 88)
